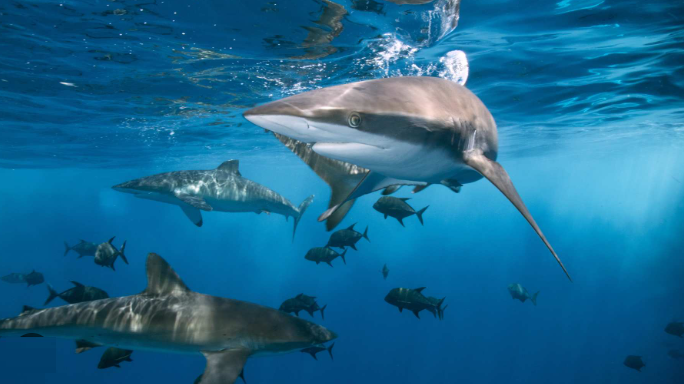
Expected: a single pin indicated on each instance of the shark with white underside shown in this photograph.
(376, 134)
(222, 189)
(168, 317)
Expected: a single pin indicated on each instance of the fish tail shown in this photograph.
(330, 351)
(323, 311)
(300, 212)
(420, 214)
(534, 298)
(121, 253)
(67, 248)
(365, 234)
(52, 296)
(440, 310)
(342, 256)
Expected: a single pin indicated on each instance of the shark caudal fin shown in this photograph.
(534, 298)
(420, 214)
(340, 176)
(121, 253)
(365, 234)
(67, 248)
(323, 311)
(300, 212)
(495, 173)
(53, 295)
(330, 351)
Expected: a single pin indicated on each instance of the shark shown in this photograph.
(378, 134)
(222, 189)
(169, 317)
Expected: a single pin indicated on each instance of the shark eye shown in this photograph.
(354, 120)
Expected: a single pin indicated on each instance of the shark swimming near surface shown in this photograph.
(168, 317)
(222, 189)
(372, 135)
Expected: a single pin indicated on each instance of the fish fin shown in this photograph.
(371, 182)
(419, 290)
(194, 201)
(404, 199)
(242, 376)
(391, 189)
(194, 214)
(323, 311)
(330, 351)
(232, 166)
(341, 177)
(419, 188)
(300, 212)
(401, 222)
(496, 174)
(401, 309)
(52, 295)
(85, 345)
(26, 310)
(31, 335)
(162, 279)
(353, 247)
(77, 284)
(441, 312)
(417, 313)
(534, 298)
(67, 248)
(385, 216)
(365, 234)
(312, 353)
(121, 253)
(342, 256)
(112, 239)
(330, 264)
(310, 312)
(351, 227)
(224, 367)
(129, 359)
(420, 214)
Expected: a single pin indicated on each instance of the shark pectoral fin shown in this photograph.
(371, 182)
(194, 201)
(85, 345)
(391, 189)
(224, 367)
(495, 173)
(419, 188)
(340, 176)
(194, 214)
(162, 279)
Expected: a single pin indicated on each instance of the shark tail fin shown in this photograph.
(497, 175)
(121, 253)
(67, 248)
(365, 234)
(330, 351)
(420, 214)
(342, 256)
(534, 298)
(52, 296)
(323, 311)
(300, 212)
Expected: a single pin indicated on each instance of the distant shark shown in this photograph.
(222, 189)
(377, 134)
(169, 317)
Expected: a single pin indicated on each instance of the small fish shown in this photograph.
(106, 254)
(33, 278)
(634, 362)
(324, 255)
(302, 302)
(385, 271)
(519, 292)
(112, 357)
(347, 238)
(675, 354)
(398, 208)
(315, 349)
(78, 294)
(675, 328)
(83, 248)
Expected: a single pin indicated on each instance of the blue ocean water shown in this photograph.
(589, 100)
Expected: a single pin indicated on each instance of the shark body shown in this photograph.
(378, 134)
(169, 317)
(222, 189)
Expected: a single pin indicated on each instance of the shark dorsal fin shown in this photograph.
(419, 290)
(26, 310)
(232, 166)
(162, 279)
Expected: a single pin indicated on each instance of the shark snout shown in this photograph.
(323, 335)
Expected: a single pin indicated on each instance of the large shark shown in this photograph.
(370, 135)
(168, 317)
(222, 189)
